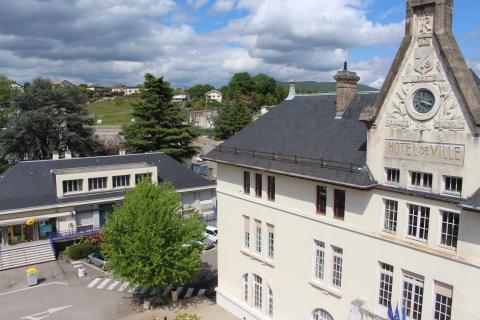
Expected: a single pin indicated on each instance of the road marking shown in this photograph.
(77, 265)
(113, 285)
(104, 283)
(42, 315)
(37, 286)
(201, 292)
(76, 262)
(94, 282)
(123, 286)
(93, 267)
(189, 292)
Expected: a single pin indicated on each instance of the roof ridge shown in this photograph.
(92, 157)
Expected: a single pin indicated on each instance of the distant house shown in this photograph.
(119, 88)
(17, 86)
(96, 87)
(180, 97)
(128, 91)
(203, 118)
(214, 95)
(62, 84)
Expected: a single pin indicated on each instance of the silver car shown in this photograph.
(98, 260)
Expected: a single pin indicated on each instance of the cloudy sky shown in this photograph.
(206, 41)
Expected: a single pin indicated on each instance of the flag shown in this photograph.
(390, 312)
(397, 314)
(404, 314)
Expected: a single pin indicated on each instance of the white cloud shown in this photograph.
(197, 4)
(222, 6)
(119, 40)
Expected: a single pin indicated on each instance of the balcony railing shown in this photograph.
(73, 234)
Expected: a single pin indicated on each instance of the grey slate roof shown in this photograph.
(305, 127)
(31, 183)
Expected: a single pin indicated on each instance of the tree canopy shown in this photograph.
(148, 240)
(231, 119)
(159, 124)
(47, 120)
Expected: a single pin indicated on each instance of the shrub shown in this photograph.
(80, 250)
(185, 316)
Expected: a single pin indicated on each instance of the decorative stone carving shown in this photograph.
(425, 24)
(450, 118)
(397, 116)
(424, 60)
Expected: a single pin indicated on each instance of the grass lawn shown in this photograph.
(112, 112)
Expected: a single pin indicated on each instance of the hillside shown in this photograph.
(320, 87)
(112, 112)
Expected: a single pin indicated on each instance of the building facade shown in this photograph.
(214, 95)
(337, 206)
(67, 198)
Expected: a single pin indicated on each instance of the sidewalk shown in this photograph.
(203, 307)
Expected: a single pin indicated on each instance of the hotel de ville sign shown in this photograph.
(425, 151)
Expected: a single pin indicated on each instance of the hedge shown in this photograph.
(80, 250)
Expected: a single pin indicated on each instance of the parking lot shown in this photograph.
(61, 294)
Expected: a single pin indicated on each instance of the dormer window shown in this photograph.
(121, 181)
(421, 180)
(453, 185)
(97, 183)
(71, 186)
(393, 175)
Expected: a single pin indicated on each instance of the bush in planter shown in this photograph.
(80, 250)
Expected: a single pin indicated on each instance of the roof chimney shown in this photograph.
(292, 91)
(346, 88)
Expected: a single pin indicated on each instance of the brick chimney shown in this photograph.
(346, 88)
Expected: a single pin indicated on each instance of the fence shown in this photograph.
(73, 234)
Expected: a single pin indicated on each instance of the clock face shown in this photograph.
(423, 101)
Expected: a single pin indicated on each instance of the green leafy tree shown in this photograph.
(159, 124)
(198, 91)
(148, 240)
(240, 86)
(48, 120)
(231, 119)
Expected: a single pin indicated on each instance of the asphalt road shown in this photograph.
(69, 297)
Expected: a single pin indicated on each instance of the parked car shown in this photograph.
(212, 232)
(98, 260)
(207, 243)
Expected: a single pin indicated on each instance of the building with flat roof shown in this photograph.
(335, 206)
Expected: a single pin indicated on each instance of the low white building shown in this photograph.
(214, 95)
(128, 91)
(204, 119)
(59, 200)
(335, 206)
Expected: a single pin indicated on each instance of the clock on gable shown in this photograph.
(423, 101)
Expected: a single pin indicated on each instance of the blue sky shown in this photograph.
(207, 41)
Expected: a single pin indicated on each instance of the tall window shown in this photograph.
(321, 314)
(246, 182)
(258, 236)
(339, 204)
(337, 266)
(321, 199)
(72, 186)
(386, 284)
(246, 232)
(390, 218)
(418, 218)
(97, 183)
(412, 296)
(121, 181)
(453, 185)
(450, 223)
(443, 301)
(245, 287)
(421, 179)
(257, 291)
(270, 302)
(393, 175)
(319, 263)
(140, 176)
(271, 188)
(271, 241)
(258, 184)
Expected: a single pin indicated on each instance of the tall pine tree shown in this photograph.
(159, 123)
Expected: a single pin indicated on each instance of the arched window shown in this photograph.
(257, 291)
(320, 314)
(245, 287)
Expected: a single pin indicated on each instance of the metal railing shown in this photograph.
(318, 162)
(73, 234)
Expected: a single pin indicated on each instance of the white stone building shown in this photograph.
(335, 206)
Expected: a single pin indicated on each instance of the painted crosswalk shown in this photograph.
(112, 285)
